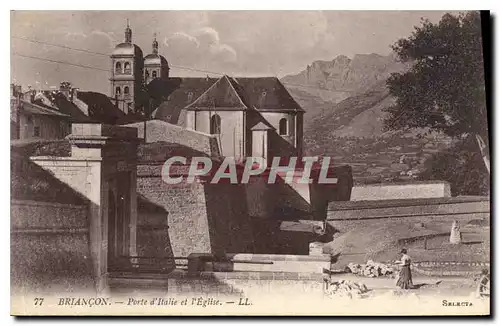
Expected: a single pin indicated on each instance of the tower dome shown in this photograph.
(127, 47)
(155, 65)
(126, 73)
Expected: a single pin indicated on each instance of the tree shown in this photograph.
(461, 166)
(150, 96)
(444, 91)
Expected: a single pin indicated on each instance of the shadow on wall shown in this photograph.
(232, 229)
(229, 223)
(279, 147)
(322, 194)
(270, 239)
(286, 203)
(42, 260)
(46, 263)
(153, 240)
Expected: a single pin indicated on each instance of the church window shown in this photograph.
(126, 91)
(118, 91)
(154, 74)
(283, 127)
(126, 67)
(190, 97)
(118, 68)
(215, 124)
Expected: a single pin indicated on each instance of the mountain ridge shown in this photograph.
(343, 76)
(344, 101)
(323, 86)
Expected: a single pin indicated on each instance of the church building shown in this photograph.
(254, 116)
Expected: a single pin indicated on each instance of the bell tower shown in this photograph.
(127, 68)
(155, 65)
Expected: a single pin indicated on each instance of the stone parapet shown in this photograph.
(436, 189)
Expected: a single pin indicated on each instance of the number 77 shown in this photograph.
(38, 301)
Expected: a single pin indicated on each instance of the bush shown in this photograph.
(462, 166)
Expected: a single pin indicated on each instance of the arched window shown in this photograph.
(118, 91)
(118, 68)
(215, 124)
(154, 74)
(126, 91)
(283, 127)
(126, 67)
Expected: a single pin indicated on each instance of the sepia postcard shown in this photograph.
(276, 163)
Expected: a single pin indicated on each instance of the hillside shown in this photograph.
(344, 101)
(323, 86)
(348, 117)
(313, 105)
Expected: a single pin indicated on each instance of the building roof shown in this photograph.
(127, 49)
(59, 101)
(181, 92)
(32, 108)
(155, 59)
(178, 93)
(100, 107)
(262, 126)
(222, 95)
(267, 94)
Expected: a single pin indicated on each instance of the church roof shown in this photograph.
(262, 93)
(126, 48)
(267, 94)
(179, 93)
(155, 59)
(262, 126)
(222, 95)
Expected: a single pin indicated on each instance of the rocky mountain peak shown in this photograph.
(343, 74)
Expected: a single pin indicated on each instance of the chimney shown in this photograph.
(74, 94)
(65, 88)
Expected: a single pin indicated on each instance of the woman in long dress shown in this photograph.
(405, 280)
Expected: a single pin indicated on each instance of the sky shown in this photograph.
(238, 43)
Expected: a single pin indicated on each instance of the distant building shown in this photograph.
(126, 74)
(155, 65)
(80, 106)
(29, 120)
